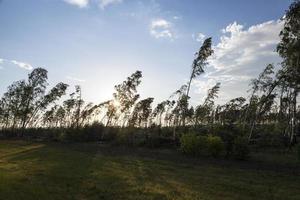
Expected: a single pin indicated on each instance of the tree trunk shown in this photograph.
(293, 118)
(187, 95)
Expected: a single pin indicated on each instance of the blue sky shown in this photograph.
(98, 43)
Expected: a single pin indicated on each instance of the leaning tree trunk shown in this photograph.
(293, 118)
(263, 101)
(187, 95)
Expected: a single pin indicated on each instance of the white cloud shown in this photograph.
(22, 65)
(241, 55)
(104, 3)
(202, 86)
(227, 81)
(75, 79)
(79, 3)
(160, 23)
(240, 47)
(1, 61)
(84, 3)
(233, 28)
(199, 37)
(161, 28)
(177, 17)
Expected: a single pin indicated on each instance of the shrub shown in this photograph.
(298, 151)
(155, 141)
(241, 148)
(228, 139)
(125, 137)
(139, 138)
(109, 134)
(166, 131)
(215, 145)
(192, 144)
(267, 140)
(93, 132)
(131, 136)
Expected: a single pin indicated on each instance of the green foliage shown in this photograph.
(166, 131)
(193, 144)
(288, 47)
(228, 139)
(109, 134)
(215, 145)
(269, 140)
(129, 137)
(241, 148)
(126, 96)
(154, 140)
(141, 113)
(61, 137)
(270, 136)
(26, 100)
(298, 152)
(125, 136)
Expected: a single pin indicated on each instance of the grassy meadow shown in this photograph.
(32, 170)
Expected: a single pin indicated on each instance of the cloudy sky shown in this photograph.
(98, 43)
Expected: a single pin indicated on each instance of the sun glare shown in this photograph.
(116, 103)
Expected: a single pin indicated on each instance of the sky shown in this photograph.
(98, 43)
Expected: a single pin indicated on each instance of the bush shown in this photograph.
(109, 134)
(125, 136)
(241, 148)
(298, 151)
(93, 132)
(156, 141)
(228, 139)
(271, 140)
(215, 145)
(192, 144)
(60, 137)
(166, 132)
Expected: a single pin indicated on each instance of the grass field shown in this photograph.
(93, 171)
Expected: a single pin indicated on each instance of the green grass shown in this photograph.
(92, 171)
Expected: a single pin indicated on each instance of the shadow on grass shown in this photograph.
(256, 162)
(21, 152)
(73, 171)
(92, 171)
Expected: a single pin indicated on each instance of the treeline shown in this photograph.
(272, 105)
